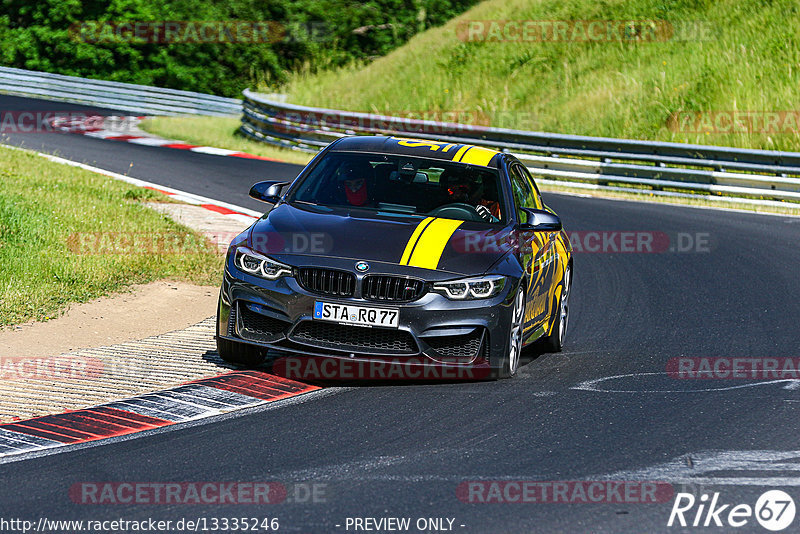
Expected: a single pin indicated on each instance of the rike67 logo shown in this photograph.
(774, 510)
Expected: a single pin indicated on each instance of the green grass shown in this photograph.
(618, 89)
(47, 262)
(218, 132)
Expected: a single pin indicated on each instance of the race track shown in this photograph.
(603, 409)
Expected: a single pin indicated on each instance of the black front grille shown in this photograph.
(327, 281)
(256, 327)
(457, 347)
(354, 338)
(392, 288)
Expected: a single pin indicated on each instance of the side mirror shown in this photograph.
(540, 221)
(267, 191)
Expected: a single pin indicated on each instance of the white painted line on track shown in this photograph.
(594, 384)
(214, 151)
(190, 198)
(721, 467)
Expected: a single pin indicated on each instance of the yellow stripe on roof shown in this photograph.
(478, 156)
(460, 153)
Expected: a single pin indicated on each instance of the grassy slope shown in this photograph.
(751, 62)
(43, 203)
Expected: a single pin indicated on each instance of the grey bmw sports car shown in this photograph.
(403, 252)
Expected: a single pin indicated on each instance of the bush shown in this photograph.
(41, 36)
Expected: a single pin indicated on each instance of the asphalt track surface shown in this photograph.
(603, 409)
(201, 174)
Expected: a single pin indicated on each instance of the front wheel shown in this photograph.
(555, 341)
(237, 353)
(511, 361)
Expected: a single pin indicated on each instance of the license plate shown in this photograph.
(356, 315)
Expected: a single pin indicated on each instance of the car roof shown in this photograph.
(426, 148)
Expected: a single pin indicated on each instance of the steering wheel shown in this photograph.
(457, 210)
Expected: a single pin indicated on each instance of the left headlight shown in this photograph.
(472, 288)
(257, 264)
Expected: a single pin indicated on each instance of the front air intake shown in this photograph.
(392, 288)
(329, 282)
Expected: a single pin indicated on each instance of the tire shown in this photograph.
(239, 353)
(560, 319)
(510, 363)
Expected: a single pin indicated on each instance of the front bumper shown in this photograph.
(433, 331)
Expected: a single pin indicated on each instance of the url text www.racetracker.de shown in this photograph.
(194, 524)
(234, 524)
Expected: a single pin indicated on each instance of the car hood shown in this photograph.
(432, 247)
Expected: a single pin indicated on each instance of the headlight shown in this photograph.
(259, 265)
(472, 288)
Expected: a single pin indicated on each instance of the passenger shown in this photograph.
(353, 176)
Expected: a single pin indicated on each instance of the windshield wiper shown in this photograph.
(397, 208)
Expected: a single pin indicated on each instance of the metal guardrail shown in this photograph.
(140, 99)
(754, 176)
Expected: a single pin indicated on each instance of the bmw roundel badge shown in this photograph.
(362, 266)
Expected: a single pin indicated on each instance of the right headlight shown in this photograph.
(483, 287)
(259, 265)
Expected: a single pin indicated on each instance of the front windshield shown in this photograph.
(402, 184)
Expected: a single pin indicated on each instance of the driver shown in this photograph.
(353, 177)
(467, 189)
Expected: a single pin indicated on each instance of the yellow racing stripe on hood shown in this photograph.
(430, 246)
(413, 240)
